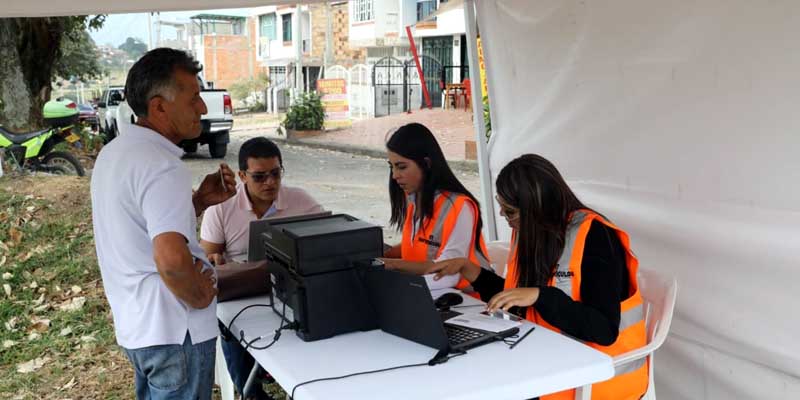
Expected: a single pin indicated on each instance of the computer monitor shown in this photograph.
(255, 247)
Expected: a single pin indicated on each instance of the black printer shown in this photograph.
(316, 265)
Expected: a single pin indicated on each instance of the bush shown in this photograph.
(487, 117)
(305, 114)
(248, 90)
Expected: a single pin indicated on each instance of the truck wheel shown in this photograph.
(190, 147)
(217, 150)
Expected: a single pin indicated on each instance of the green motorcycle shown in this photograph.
(33, 151)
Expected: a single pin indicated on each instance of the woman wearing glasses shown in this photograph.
(569, 270)
(440, 219)
(225, 230)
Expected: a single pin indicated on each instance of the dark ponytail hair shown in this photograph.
(416, 142)
(545, 202)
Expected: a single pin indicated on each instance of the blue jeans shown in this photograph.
(240, 363)
(174, 371)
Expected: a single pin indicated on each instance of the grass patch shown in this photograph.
(55, 323)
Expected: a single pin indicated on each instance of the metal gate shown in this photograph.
(432, 71)
(440, 48)
(388, 76)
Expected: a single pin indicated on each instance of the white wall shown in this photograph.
(277, 49)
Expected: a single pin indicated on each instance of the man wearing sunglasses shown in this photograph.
(225, 229)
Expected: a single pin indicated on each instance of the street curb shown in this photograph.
(461, 165)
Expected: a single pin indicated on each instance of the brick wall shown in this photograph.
(230, 58)
(342, 53)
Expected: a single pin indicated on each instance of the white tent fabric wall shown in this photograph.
(679, 120)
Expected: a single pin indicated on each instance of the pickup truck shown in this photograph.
(216, 124)
(107, 110)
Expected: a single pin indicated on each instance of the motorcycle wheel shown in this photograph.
(65, 161)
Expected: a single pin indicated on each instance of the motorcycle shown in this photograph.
(33, 151)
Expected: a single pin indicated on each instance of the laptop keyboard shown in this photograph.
(458, 334)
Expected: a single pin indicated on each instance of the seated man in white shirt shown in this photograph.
(225, 230)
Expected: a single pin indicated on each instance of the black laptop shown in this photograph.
(404, 307)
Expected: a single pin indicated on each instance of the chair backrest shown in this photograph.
(498, 255)
(659, 293)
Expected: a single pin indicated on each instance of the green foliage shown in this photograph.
(305, 114)
(135, 48)
(243, 88)
(487, 117)
(79, 58)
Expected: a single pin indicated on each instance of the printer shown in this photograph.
(316, 266)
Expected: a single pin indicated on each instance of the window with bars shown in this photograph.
(363, 10)
(277, 76)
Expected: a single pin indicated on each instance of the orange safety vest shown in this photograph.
(432, 237)
(630, 380)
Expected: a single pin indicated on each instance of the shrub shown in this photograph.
(305, 113)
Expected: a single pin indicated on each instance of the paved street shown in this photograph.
(342, 182)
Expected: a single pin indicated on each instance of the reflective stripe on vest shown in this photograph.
(630, 380)
(432, 236)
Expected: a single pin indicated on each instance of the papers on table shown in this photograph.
(483, 322)
(448, 281)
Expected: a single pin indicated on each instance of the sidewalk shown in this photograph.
(452, 128)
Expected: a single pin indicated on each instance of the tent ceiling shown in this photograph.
(41, 8)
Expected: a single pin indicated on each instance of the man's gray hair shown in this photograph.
(154, 75)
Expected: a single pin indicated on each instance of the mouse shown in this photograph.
(448, 300)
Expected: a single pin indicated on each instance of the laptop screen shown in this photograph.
(404, 307)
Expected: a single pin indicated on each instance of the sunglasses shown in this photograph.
(260, 177)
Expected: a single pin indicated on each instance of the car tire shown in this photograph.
(217, 150)
(190, 147)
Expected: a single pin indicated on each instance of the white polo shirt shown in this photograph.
(140, 189)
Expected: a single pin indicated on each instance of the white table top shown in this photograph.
(545, 362)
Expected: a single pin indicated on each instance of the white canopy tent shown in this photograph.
(678, 120)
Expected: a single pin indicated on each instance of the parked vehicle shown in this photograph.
(33, 151)
(107, 111)
(216, 124)
(87, 116)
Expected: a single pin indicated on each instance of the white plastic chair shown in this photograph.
(221, 375)
(498, 255)
(659, 293)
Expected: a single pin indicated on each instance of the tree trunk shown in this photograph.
(28, 50)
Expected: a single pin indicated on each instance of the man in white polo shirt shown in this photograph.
(225, 230)
(159, 284)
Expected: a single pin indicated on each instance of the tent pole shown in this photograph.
(490, 224)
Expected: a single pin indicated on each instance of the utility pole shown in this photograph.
(298, 42)
(328, 36)
(149, 31)
(158, 29)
